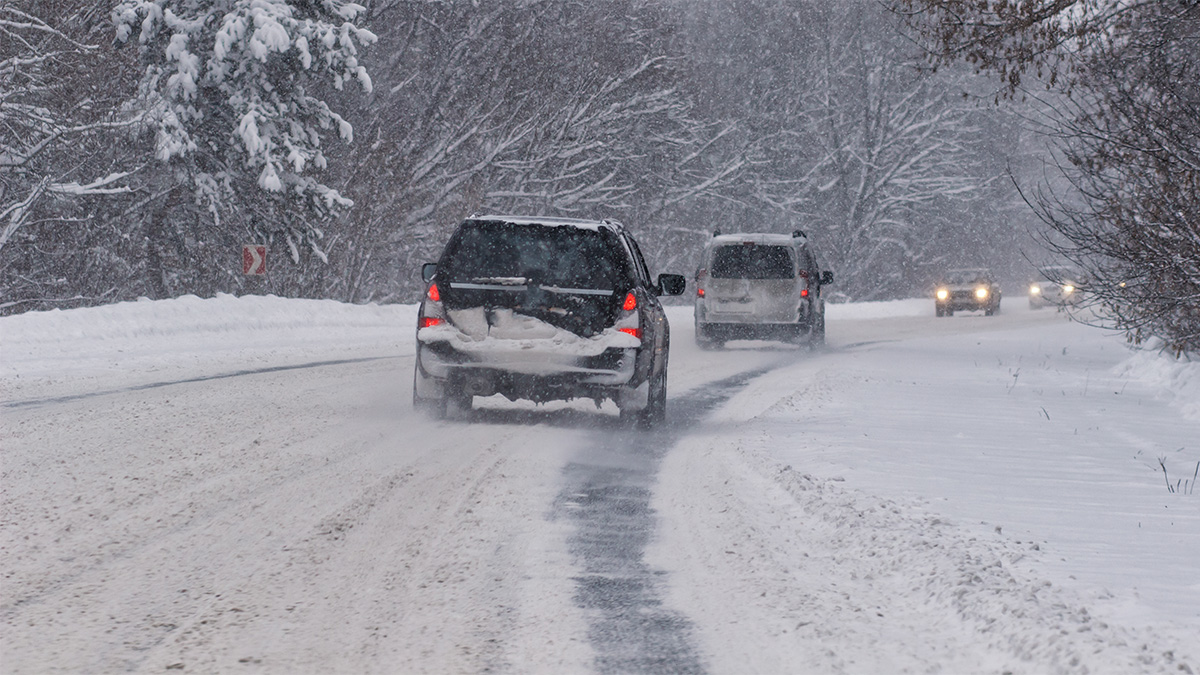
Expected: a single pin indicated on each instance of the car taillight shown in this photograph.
(700, 292)
(630, 321)
(804, 292)
(432, 313)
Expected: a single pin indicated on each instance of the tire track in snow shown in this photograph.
(33, 402)
(607, 498)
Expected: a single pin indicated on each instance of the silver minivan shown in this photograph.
(757, 286)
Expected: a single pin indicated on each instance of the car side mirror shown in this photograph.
(827, 277)
(427, 271)
(671, 284)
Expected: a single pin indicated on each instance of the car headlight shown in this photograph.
(942, 294)
(981, 292)
(1035, 289)
(1068, 289)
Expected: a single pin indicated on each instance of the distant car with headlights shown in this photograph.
(543, 309)
(1057, 285)
(759, 286)
(967, 289)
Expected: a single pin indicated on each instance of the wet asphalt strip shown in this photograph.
(607, 498)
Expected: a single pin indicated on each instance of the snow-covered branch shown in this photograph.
(237, 77)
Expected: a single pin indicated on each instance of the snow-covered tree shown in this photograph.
(233, 92)
(556, 108)
(894, 162)
(1129, 131)
(847, 137)
(1125, 115)
(676, 117)
(44, 111)
(62, 159)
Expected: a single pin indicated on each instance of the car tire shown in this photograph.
(457, 405)
(655, 411)
(434, 407)
(704, 340)
(816, 336)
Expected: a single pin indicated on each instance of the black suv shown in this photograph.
(543, 309)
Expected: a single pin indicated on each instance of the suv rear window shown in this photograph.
(742, 261)
(565, 257)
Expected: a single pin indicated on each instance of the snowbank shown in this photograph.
(1178, 379)
(135, 342)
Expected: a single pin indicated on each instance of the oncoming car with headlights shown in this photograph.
(1057, 285)
(967, 289)
(543, 309)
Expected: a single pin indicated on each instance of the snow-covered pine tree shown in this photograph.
(231, 88)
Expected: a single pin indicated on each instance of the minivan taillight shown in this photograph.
(630, 302)
(427, 321)
(433, 293)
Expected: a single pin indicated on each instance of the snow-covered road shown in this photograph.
(240, 485)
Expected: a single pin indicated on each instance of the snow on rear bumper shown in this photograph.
(605, 359)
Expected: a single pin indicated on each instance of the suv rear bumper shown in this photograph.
(536, 375)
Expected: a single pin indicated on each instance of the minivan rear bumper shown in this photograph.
(753, 331)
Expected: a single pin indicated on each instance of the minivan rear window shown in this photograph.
(741, 261)
(508, 253)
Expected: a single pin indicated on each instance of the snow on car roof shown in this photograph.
(552, 222)
(757, 238)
